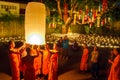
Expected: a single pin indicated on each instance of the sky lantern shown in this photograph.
(35, 17)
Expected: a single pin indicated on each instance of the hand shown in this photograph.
(38, 48)
(110, 61)
(24, 45)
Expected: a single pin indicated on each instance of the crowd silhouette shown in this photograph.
(42, 63)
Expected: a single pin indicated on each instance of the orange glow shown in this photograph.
(35, 39)
(35, 22)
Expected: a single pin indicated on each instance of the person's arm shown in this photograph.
(13, 50)
(110, 61)
(53, 51)
(39, 49)
(17, 50)
(38, 53)
(22, 47)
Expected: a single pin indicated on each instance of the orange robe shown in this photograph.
(28, 68)
(37, 64)
(15, 65)
(83, 63)
(46, 60)
(115, 69)
(53, 68)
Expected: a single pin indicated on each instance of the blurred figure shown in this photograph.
(111, 57)
(65, 45)
(75, 46)
(60, 47)
(94, 61)
(53, 66)
(115, 68)
(14, 55)
(84, 59)
(37, 61)
(28, 64)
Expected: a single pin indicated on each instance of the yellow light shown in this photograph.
(35, 22)
(35, 39)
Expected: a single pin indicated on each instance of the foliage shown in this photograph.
(77, 5)
(49, 3)
(7, 18)
(98, 30)
(77, 28)
(50, 30)
(87, 28)
(92, 29)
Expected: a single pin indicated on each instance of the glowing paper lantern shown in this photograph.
(35, 17)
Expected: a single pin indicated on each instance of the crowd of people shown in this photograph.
(39, 63)
(36, 63)
(89, 39)
(113, 69)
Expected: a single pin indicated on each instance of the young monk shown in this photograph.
(45, 60)
(37, 61)
(83, 63)
(14, 55)
(115, 69)
(28, 64)
(111, 57)
(53, 66)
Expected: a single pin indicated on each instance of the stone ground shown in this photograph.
(70, 70)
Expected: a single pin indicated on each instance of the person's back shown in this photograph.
(45, 61)
(28, 65)
(53, 66)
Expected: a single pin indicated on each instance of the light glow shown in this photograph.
(35, 22)
(35, 39)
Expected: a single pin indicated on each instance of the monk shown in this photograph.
(14, 55)
(45, 60)
(53, 67)
(115, 68)
(83, 63)
(37, 61)
(28, 64)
